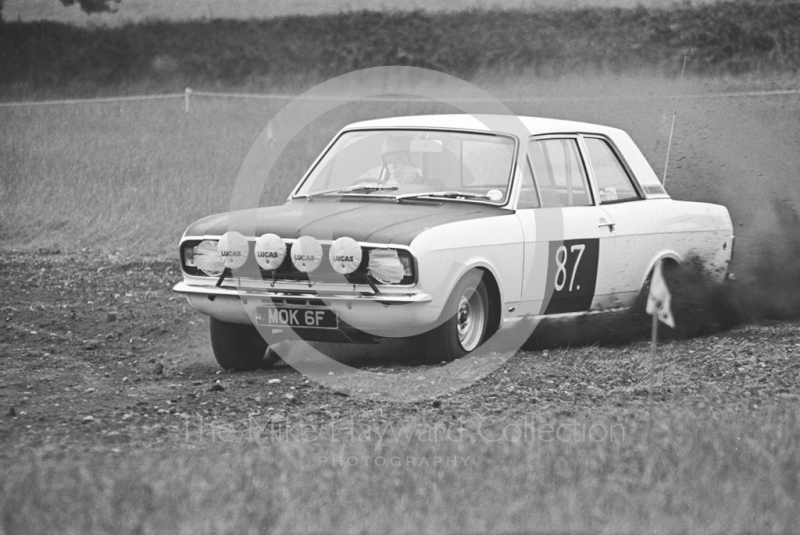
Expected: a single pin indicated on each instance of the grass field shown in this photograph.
(118, 176)
(698, 473)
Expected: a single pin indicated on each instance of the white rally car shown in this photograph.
(452, 228)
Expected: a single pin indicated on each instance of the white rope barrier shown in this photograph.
(280, 96)
(188, 94)
(265, 96)
(344, 98)
(89, 100)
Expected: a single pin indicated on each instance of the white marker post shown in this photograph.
(186, 95)
(658, 306)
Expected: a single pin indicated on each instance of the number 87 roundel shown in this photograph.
(571, 275)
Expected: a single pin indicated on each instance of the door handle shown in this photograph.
(604, 224)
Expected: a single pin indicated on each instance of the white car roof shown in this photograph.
(535, 125)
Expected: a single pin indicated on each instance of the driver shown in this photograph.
(396, 156)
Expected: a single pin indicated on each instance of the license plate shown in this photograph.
(296, 317)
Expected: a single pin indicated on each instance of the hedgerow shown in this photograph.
(721, 38)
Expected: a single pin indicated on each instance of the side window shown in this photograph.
(613, 182)
(528, 197)
(559, 172)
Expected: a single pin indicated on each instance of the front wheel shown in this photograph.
(237, 346)
(466, 320)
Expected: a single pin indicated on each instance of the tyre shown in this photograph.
(466, 321)
(237, 346)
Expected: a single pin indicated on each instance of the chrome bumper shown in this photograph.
(270, 293)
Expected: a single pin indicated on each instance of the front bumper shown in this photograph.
(211, 292)
(381, 315)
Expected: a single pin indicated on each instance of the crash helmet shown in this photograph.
(396, 145)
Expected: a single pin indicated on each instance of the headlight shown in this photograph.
(385, 266)
(206, 258)
(408, 263)
(188, 256)
(345, 255)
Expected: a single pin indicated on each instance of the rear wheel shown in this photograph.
(237, 346)
(465, 326)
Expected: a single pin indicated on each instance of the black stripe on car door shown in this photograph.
(571, 275)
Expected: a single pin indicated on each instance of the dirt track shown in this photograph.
(98, 354)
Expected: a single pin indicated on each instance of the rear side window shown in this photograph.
(559, 172)
(613, 182)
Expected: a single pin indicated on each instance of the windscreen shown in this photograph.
(400, 162)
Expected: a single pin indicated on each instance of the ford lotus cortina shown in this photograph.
(454, 229)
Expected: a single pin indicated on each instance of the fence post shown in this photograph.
(186, 95)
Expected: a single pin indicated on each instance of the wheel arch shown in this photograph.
(495, 301)
(493, 288)
(666, 257)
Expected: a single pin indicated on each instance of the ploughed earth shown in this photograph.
(98, 353)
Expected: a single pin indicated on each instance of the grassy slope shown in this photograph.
(117, 176)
